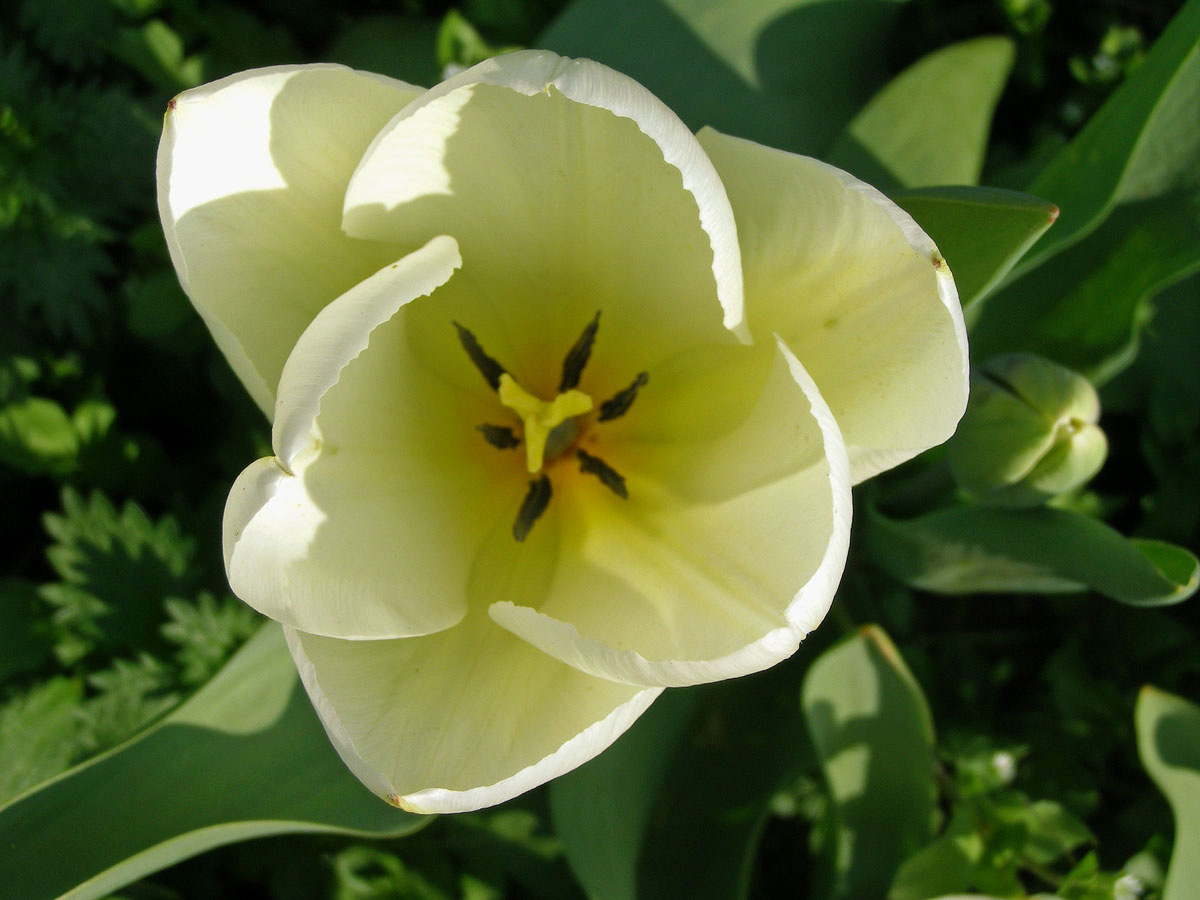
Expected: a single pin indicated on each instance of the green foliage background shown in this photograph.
(986, 682)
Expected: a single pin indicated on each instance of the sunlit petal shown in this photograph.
(356, 529)
(576, 191)
(252, 171)
(462, 719)
(859, 293)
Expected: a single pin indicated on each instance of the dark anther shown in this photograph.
(499, 436)
(488, 367)
(622, 400)
(594, 465)
(577, 356)
(537, 498)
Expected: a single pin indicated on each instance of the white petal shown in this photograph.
(463, 719)
(366, 523)
(252, 172)
(727, 552)
(340, 333)
(859, 293)
(575, 190)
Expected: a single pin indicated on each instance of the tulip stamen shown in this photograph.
(609, 477)
(488, 367)
(619, 403)
(577, 357)
(537, 498)
(499, 436)
(551, 429)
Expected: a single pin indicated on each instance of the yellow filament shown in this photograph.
(540, 417)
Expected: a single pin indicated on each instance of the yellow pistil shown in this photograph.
(540, 418)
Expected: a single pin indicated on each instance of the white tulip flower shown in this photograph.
(567, 401)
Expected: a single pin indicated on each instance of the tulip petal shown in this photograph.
(252, 172)
(576, 190)
(859, 293)
(357, 528)
(727, 552)
(462, 719)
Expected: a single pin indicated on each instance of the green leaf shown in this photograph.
(37, 736)
(245, 757)
(115, 569)
(747, 743)
(459, 44)
(157, 53)
(1168, 735)
(943, 866)
(399, 46)
(158, 309)
(1086, 308)
(24, 641)
(1051, 832)
(676, 807)
(237, 39)
(873, 733)
(974, 549)
(37, 437)
(129, 696)
(788, 73)
(508, 848)
(929, 125)
(602, 809)
(1087, 881)
(206, 633)
(982, 232)
(371, 873)
(1142, 142)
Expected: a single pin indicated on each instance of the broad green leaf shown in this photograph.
(746, 744)
(1086, 307)
(788, 73)
(873, 734)
(929, 125)
(982, 232)
(1168, 735)
(676, 807)
(399, 46)
(975, 549)
(601, 810)
(1144, 140)
(245, 757)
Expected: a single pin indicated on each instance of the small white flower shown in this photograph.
(1004, 764)
(1128, 887)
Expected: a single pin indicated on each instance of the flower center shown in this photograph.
(549, 429)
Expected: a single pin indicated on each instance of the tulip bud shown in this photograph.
(1029, 432)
